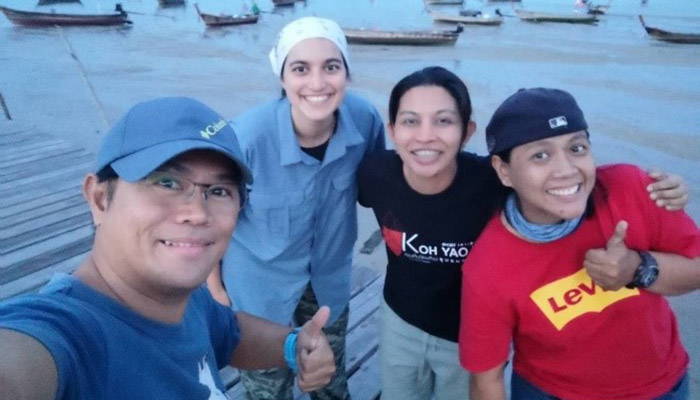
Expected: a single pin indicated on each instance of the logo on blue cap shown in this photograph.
(155, 131)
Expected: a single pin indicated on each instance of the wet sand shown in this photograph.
(640, 96)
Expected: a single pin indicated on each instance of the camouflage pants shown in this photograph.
(276, 383)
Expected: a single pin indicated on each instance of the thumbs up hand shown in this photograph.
(314, 354)
(614, 266)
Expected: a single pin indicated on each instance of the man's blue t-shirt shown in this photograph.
(104, 350)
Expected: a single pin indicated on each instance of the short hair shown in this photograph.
(433, 76)
(109, 176)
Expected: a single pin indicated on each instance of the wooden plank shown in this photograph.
(40, 167)
(236, 392)
(33, 281)
(365, 384)
(28, 260)
(17, 155)
(39, 186)
(23, 137)
(8, 166)
(10, 128)
(364, 304)
(41, 206)
(19, 150)
(42, 247)
(13, 241)
(363, 342)
(13, 236)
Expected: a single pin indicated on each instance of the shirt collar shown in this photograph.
(346, 135)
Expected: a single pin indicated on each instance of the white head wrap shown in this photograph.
(306, 28)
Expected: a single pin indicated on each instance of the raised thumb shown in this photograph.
(618, 237)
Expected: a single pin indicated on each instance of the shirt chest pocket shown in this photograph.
(343, 192)
(273, 214)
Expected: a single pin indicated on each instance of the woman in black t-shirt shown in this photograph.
(431, 201)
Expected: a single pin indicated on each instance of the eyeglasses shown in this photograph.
(173, 188)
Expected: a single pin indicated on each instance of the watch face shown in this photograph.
(648, 276)
(647, 272)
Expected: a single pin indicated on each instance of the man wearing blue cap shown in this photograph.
(133, 320)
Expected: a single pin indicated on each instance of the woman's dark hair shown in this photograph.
(345, 64)
(433, 76)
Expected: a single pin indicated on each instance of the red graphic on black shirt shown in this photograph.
(393, 239)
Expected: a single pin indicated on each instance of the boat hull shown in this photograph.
(671, 37)
(479, 20)
(531, 16)
(360, 36)
(215, 20)
(30, 18)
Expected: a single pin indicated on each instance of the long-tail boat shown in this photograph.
(171, 3)
(667, 36)
(481, 19)
(445, 2)
(42, 18)
(572, 18)
(426, 37)
(598, 9)
(50, 2)
(221, 20)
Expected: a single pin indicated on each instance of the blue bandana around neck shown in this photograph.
(537, 232)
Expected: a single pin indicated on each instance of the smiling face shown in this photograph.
(160, 242)
(428, 133)
(552, 177)
(314, 78)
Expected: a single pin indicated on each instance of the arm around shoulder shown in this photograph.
(27, 369)
(677, 274)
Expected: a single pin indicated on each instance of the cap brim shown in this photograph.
(137, 166)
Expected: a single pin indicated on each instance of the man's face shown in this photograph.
(160, 235)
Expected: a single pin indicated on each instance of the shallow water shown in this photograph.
(640, 93)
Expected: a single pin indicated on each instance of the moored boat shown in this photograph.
(283, 2)
(42, 18)
(481, 19)
(572, 18)
(426, 37)
(598, 9)
(50, 2)
(445, 2)
(223, 19)
(171, 3)
(668, 36)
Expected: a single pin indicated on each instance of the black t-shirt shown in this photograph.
(427, 237)
(317, 152)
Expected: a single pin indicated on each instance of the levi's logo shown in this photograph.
(568, 298)
(212, 129)
(556, 122)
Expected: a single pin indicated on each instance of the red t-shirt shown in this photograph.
(571, 338)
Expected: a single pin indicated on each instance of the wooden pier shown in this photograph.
(45, 227)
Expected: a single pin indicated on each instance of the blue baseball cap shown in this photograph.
(533, 114)
(155, 131)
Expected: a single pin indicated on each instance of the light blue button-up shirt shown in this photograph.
(300, 222)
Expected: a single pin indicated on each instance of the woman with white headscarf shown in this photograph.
(292, 247)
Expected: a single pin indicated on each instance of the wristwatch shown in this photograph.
(647, 272)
